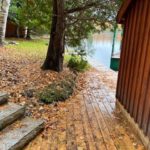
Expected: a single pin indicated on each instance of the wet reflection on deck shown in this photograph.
(91, 120)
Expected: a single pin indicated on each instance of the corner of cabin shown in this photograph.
(122, 11)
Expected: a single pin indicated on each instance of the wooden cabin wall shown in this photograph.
(11, 30)
(133, 90)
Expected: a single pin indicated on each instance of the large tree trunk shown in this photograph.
(4, 7)
(54, 58)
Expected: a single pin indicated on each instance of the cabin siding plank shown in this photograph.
(136, 60)
(127, 65)
(146, 87)
(133, 76)
(119, 83)
(144, 69)
(125, 62)
(131, 51)
(140, 64)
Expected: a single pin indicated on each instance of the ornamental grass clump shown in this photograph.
(58, 90)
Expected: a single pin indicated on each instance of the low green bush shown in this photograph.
(77, 64)
(58, 91)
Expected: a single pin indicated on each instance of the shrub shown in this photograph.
(77, 64)
(58, 91)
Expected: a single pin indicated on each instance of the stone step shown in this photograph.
(3, 98)
(9, 113)
(20, 133)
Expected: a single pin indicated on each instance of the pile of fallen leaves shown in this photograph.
(22, 78)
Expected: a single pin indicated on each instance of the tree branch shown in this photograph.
(87, 6)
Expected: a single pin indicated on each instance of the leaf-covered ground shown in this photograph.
(22, 78)
(77, 123)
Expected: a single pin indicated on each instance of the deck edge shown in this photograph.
(144, 139)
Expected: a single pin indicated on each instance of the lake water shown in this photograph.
(101, 45)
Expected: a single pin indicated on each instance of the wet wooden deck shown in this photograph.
(92, 121)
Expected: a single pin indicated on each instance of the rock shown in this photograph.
(28, 93)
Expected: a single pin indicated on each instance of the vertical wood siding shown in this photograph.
(11, 30)
(133, 90)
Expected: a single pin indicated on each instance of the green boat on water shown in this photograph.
(115, 61)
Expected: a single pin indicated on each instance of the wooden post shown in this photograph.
(114, 39)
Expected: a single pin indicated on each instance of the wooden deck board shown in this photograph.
(71, 139)
(79, 129)
(101, 122)
(98, 137)
(89, 137)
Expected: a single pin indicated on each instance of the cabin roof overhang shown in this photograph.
(123, 10)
